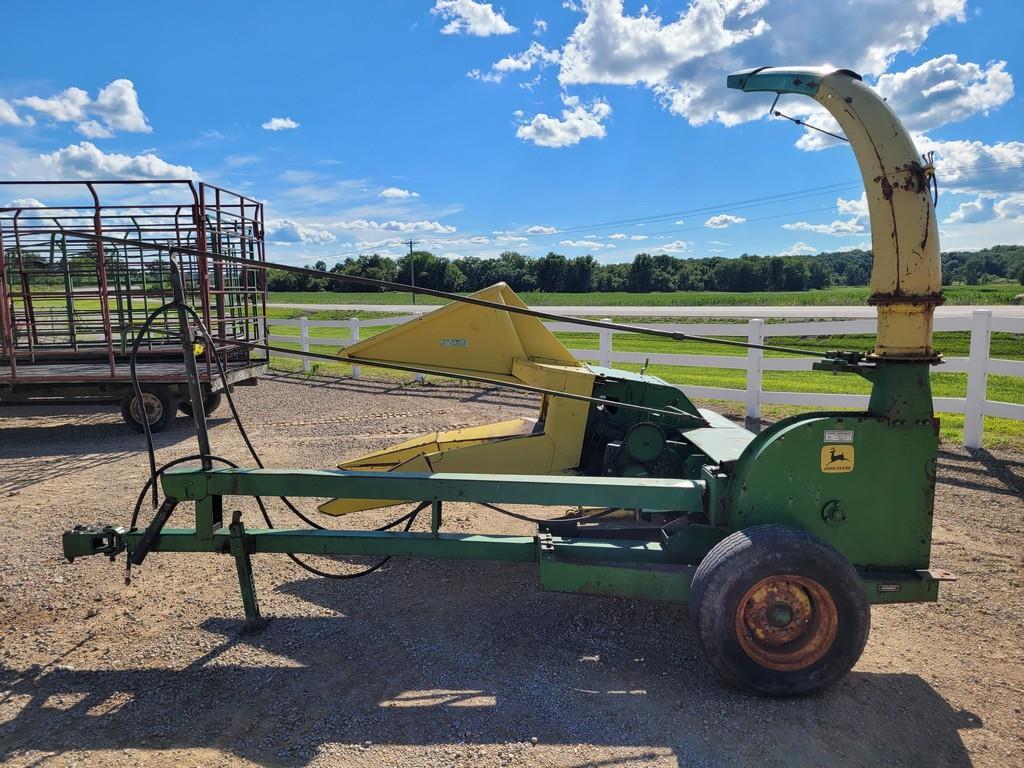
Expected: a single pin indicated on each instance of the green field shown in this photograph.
(1001, 293)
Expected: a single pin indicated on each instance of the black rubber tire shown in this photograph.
(210, 404)
(743, 559)
(168, 408)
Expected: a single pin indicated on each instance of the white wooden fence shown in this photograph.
(981, 324)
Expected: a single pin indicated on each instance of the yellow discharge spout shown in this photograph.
(906, 281)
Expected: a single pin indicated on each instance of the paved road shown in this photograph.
(718, 311)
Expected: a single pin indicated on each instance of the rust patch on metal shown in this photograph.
(787, 622)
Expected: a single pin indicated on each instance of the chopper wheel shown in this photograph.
(779, 611)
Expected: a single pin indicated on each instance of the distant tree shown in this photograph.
(819, 276)
(579, 275)
(641, 274)
(551, 272)
(973, 270)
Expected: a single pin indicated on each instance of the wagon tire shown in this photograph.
(779, 611)
(210, 404)
(161, 408)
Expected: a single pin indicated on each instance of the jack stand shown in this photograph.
(254, 622)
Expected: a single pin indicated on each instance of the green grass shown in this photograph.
(955, 294)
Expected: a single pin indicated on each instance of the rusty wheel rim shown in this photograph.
(154, 408)
(786, 622)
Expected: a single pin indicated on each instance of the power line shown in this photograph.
(745, 204)
(412, 266)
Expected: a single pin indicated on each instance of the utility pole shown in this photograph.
(412, 266)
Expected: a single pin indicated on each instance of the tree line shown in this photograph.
(555, 273)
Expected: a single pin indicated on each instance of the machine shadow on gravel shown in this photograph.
(483, 659)
(65, 443)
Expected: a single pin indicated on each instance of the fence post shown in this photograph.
(755, 335)
(977, 378)
(304, 341)
(604, 345)
(353, 337)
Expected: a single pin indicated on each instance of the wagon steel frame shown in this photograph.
(67, 317)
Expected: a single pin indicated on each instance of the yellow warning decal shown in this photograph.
(837, 458)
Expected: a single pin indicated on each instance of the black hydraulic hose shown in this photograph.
(235, 415)
(542, 521)
(393, 286)
(409, 518)
(137, 387)
(159, 472)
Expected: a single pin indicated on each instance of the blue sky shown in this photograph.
(589, 126)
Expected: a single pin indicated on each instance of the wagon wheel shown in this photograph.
(210, 404)
(160, 407)
(779, 611)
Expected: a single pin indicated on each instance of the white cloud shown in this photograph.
(973, 166)
(723, 220)
(93, 130)
(928, 96)
(638, 237)
(67, 106)
(676, 246)
(25, 202)
(799, 249)
(8, 116)
(288, 231)
(85, 160)
(467, 17)
(578, 122)
(684, 61)
(116, 105)
(539, 27)
(858, 208)
(279, 124)
(536, 55)
(395, 193)
(838, 227)
(1010, 208)
(979, 209)
(618, 236)
(986, 208)
(450, 241)
(942, 90)
(394, 226)
(539, 229)
(519, 239)
(591, 244)
(679, 221)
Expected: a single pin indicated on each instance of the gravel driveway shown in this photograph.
(447, 663)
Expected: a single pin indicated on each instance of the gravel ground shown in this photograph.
(443, 663)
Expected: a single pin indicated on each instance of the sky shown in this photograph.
(584, 126)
